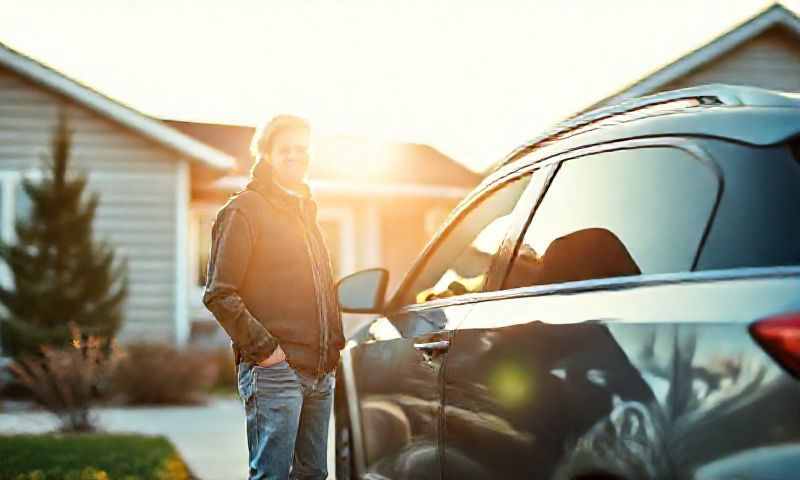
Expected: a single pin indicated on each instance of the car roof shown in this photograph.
(744, 114)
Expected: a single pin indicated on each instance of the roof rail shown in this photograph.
(675, 100)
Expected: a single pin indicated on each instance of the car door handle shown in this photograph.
(440, 346)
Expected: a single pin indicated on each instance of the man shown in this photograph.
(270, 286)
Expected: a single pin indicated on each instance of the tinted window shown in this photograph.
(461, 261)
(617, 213)
(758, 220)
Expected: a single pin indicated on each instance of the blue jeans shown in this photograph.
(287, 421)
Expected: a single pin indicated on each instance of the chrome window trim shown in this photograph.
(617, 283)
(636, 281)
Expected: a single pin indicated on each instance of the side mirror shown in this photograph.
(364, 291)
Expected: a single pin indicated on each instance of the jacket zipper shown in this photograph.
(321, 301)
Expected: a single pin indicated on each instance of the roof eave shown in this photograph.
(776, 15)
(128, 117)
(352, 188)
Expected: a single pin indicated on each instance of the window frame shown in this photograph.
(345, 218)
(197, 210)
(10, 181)
(686, 145)
(530, 196)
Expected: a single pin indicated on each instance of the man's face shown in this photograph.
(289, 155)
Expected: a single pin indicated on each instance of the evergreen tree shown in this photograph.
(61, 274)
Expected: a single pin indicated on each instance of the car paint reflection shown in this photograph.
(705, 403)
(630, 394)
(507, 374)
(399, 413)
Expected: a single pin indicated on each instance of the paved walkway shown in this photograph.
(211, 438)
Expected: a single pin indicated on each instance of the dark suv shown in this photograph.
(620, 299)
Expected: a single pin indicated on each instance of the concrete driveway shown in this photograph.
(211, 438)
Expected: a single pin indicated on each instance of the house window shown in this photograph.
(14, 205)
(204, 223)
(201, 219)
(23, 206)
(338, 228)
(332, 233)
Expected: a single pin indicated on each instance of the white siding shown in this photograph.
(770, 60)
(136, 180)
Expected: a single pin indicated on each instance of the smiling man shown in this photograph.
(270, 286)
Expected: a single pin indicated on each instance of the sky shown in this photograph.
(474, 79)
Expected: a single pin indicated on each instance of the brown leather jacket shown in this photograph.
(270, 279)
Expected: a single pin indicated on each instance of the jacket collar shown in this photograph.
(274, 193)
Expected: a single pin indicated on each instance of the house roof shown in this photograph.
(347, 159)
(775, 16)
(139, 122)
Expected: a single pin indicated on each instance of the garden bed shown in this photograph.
(93, 456)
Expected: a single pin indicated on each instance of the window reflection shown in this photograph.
(616, 214)
(462, 261)
(473, 264)
(582, 255)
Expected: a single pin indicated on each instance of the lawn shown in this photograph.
(97, 456)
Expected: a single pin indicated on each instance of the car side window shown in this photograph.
(462, 259)
(618, 213)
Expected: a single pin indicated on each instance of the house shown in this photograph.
(762, 52)
(161, 182)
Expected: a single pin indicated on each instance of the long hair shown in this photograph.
(261, 144)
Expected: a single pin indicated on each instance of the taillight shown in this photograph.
(780, 337)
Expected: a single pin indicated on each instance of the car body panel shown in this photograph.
(651, 381)
(398, 391)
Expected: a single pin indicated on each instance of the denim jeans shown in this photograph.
(287, 421)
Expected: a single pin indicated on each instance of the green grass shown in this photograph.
(96, 456)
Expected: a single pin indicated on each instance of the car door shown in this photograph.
(534, 372)
(397, 366)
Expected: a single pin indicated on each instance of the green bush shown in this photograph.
(90, 457)
(67, 380)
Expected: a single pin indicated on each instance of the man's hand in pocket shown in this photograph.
(276, 357)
